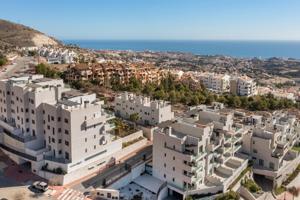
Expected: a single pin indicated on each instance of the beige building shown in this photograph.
(150, 112)
(243, 86)
(269, 146)
(218, 83)
(198, 154)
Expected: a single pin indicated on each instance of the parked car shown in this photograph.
(39, 185)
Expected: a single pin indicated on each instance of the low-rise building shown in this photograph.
(150, 112)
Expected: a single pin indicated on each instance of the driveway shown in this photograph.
(21, 65)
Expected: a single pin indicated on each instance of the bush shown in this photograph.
(251, 185)
(231, 195)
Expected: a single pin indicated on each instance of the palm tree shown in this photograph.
(294, 191)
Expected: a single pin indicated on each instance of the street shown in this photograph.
(20, 65)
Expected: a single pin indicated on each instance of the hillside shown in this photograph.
(17, 35)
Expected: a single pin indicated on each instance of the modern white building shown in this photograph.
(243, 86)
(57, 56)
(150, 112)
(218, 83)
(54, 129)
(269, 145)
(197, 154)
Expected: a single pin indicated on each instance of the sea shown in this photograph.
(240, 49)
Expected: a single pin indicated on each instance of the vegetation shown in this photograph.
(122, 129)
(292, 176)
(55, 171)
(251, 185)
(126, 144)
(191, 94)
(239, 177)
(231, 195)
(296, 147)
(3, 60)
(47, 71)
(279, 190)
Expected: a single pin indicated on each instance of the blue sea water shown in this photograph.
(245, 49)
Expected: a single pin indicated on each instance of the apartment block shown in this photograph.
(105, 72)
(218, 83)
(150, 112)
(243, 86)
(196, 155)
(53, 128)
(269, 146)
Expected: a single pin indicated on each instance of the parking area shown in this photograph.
(16, 181)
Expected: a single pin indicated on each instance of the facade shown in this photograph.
(243, 86)
(105, 72)
(197, 154)
(218, 83)
(151, 112)
(269, 146)
(54, 129)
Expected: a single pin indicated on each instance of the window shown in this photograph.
(67, 155)
(59, 130)
(27, 120)
(33, 122)
(32, 111)
(165, 176)
(66, 143)
(173, 157)
(66, 132)
(254, 151)
(85, 139)
(85, 150)
(58, 119)
(173, 179)
(33, 133)
(26, 110)
(94, 146)
(271, 165)
(165, 155)
(52, 118)
(59, 141)
(173, 168)
(66, 120)
(165, 165)
(53, 140)
(59, 152)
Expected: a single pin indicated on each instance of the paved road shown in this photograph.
(21, 65)
(115, 171)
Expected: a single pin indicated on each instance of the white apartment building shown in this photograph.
(243, 86)
(195, 155)
(269, 145)
(53, 128)
(151, 112)
(218, 83)
(57, 56)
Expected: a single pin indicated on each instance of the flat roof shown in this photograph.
(149, 182)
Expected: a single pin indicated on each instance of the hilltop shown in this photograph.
(18, 35)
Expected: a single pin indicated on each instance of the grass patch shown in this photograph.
(126, 144)
(296, 148)
(292, 176)
(231, 195)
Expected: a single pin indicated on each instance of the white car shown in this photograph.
(42, 186)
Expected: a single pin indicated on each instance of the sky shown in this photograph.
(159, 19)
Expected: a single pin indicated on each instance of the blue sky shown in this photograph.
(159, 19)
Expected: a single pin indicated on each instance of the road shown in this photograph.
(21, 65)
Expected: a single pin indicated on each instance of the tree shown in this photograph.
(294, 191)
(134, 117)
